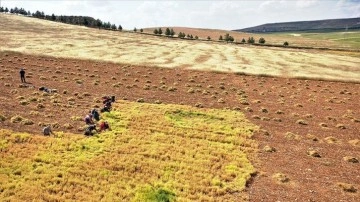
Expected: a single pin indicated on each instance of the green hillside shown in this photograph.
(316, 25)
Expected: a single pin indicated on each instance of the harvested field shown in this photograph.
(279, 104)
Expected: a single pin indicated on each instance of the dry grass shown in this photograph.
(280, 178)
(313, 153)
(104, 45)
(347, 187)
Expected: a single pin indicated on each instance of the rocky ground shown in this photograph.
(308, 142)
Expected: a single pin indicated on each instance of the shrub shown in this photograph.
(68, 126)
(312, 137)
(290, 135)
(14, 91)
(171, 89)
(76, 118)
(33, 99)
(279, 112)
(191, 90)
(261, 40)
(347, 187)
(199, 105)
(280, 177)
(16, 119)
(268, 148)
(154, 194)
(286, 43)
(341, 126)
(26, 122)
(39, 106)
(264, 110)
(24, 102)
(351, 159)
(244, 101)
(301, 122)
(277, 119)
(313, 153)
(116, 85)
(251, 40)
(331, 140)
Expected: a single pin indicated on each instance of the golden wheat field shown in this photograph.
(60, 40)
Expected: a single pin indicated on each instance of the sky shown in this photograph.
(215, 14)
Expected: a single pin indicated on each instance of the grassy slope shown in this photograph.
(152, 151)
(350, 39)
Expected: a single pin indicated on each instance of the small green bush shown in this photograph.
(154, 194)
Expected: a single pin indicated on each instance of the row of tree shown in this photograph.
(168, 32)
(250, 40)
(171, 32)
(15, 10)
(226, 37)
(75, 20)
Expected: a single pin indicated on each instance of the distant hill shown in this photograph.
(317, 25)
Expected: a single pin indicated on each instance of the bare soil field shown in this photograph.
(41, 37)
(309, 137)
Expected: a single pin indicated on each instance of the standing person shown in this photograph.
(22, 75)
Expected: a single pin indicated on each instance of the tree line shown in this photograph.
(75, 20)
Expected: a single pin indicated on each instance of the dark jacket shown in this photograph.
(22, 72)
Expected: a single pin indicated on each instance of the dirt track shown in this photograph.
(321, 116)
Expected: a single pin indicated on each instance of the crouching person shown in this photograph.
(88, 119)
(47, 131)
(104, 126)
(89, 130)
(105, 109)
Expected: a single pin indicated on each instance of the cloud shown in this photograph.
(350, 8)
(272, 5)
(306, 3)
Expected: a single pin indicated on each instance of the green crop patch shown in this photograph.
(152, 153)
